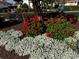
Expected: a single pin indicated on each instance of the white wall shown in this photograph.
(27, 2)
(70, 4)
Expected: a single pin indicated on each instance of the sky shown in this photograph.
(10, 1)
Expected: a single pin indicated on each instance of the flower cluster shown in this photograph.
(9, 38)
(59, 28)
(34, 26)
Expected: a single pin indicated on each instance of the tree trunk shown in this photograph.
(34, 6)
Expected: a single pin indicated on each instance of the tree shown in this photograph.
(45, 5)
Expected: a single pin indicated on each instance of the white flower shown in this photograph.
(76, 35)
(9, 46)
(10, 31)
(16, 33)
(70, 39)
(40, 47)
(4, 40)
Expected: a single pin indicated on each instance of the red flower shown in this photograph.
(67, 31)
(41, 17)
(47, 22)
(36, 18)
(31, 19)
(71, 19)
(60, 21)
(56, 29)
(38, 25)
(49, 34)
(36, 31)
(62, 16)
(52, 18)
(76, 25)
(52, 21)
(25, 24)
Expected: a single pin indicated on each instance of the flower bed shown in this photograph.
(57, 28)
(53, 38)
(39, 47)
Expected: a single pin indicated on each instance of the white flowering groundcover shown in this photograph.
(40, 47)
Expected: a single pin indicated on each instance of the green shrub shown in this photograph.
(35, 27)
(59, 28)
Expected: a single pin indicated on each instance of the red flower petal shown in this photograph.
(62, 16)
(36, 18)
(67, 31)
(49, 34)
(71, 19)
(36, 31)
(41, 17)
(56, 29)
(52, 21)
(38, 25)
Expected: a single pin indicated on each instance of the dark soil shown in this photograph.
(11, 55)
(8, 23)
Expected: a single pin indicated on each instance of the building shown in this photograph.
(6, 6)
(28, 2)
(71, 1)
(3, 4)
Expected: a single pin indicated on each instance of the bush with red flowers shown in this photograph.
(36, 26)
(71, 19)
(59, 28)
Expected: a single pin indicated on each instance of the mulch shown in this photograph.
(16, 27)
(11, 55)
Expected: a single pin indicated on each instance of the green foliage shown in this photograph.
(59, 29)
(31, 33)
(24, 5)
(35, 28)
